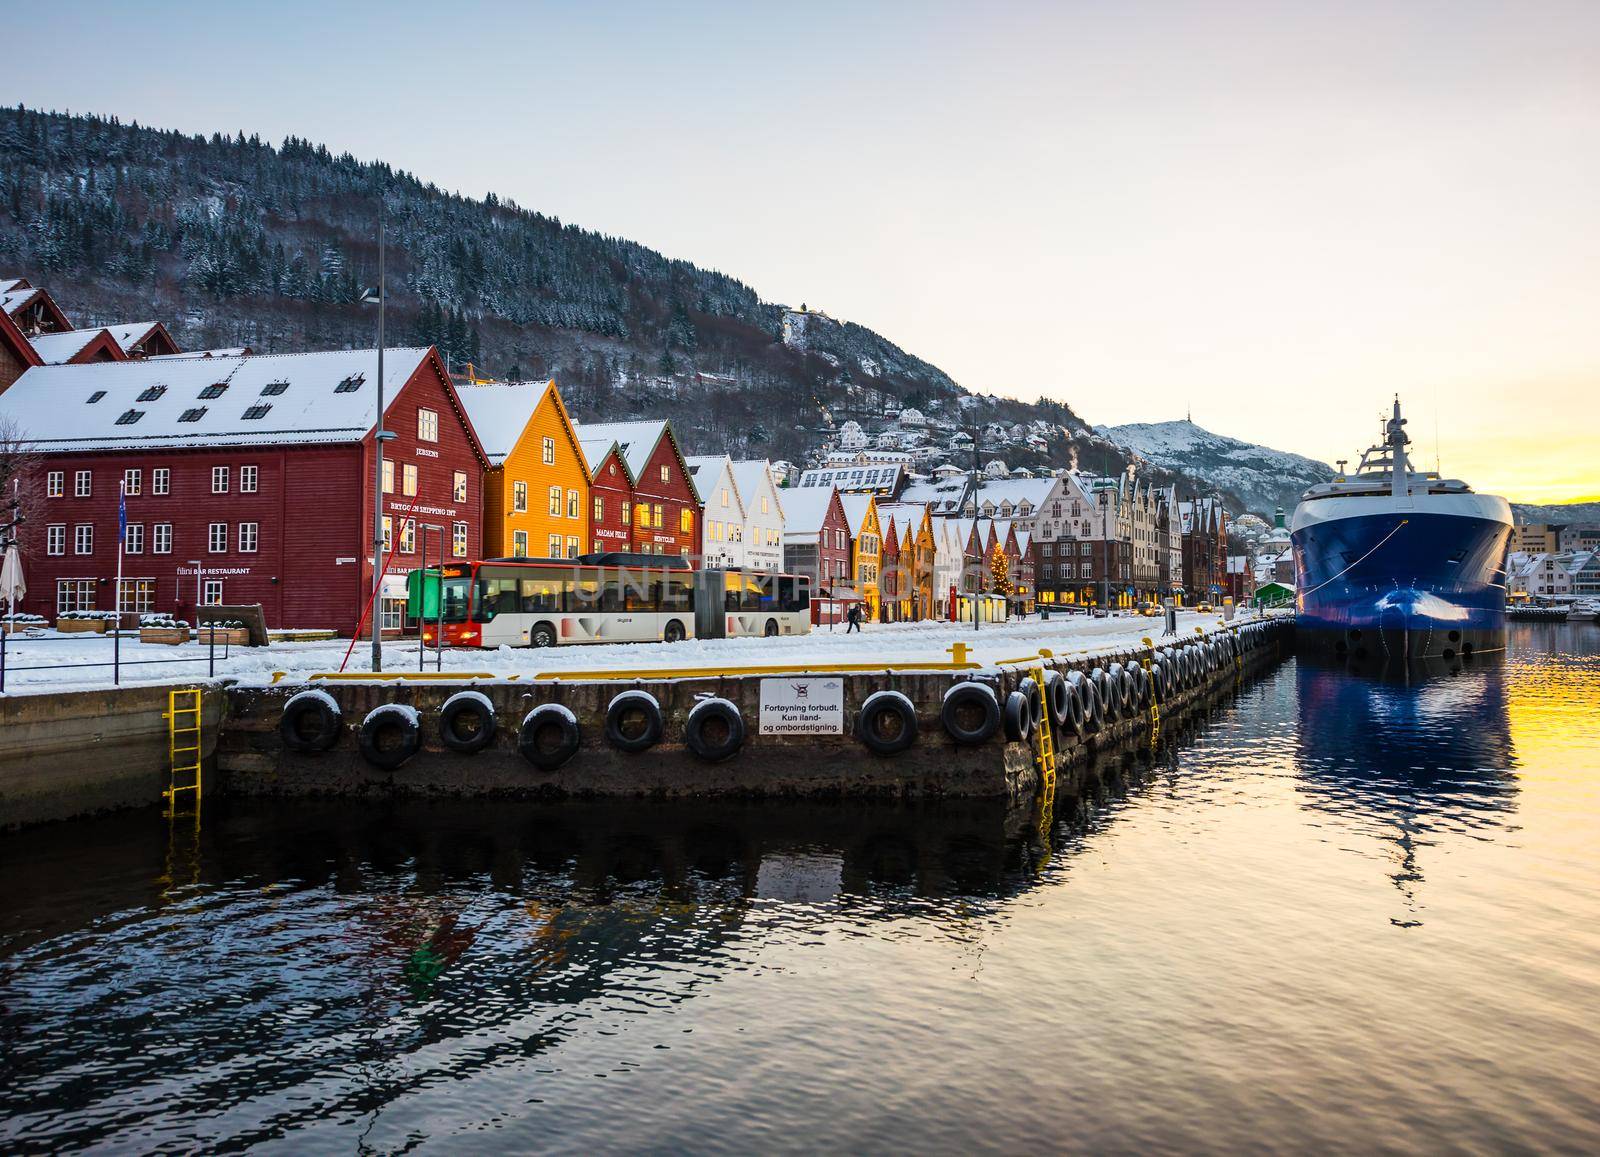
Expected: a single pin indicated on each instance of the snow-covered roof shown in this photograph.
(595, 451)
(128, 334)
(17, 298)
(226, 352)
(752, 476)
(804, 511)
(880, 478)
(60, 348)
(12, 284)
(855, 510)
(704, 470)
(636, 440)
(51, 406)
(499, 412)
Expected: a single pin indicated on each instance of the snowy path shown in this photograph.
(72, 657)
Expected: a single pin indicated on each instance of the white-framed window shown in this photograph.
(83, 538)
(666, 474)
(686, 521)
(427, 426)
(388, 475)
(408, 480)
(458, 539)
(217, 539)
(626, 510)
(55, 538)
(134, 542)
(55, 484)
(249, 476)
(132, 481)
(459, 489)
(75, 595)
(599, 508)
(764, 504)
(391, 616)
(574, 504)
(553, 547)
(572, 546)
(219, 480)
(161, 480)
(81, 484)
(408, 536)
(519, 544)
(548, 452)
(388, 534)
(658, 517)
(249, 536)
(161, 538)
(554, 506)
(519, 497)
(724, 497)
(137, 595)
(211, 593)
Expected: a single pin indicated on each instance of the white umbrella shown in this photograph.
(12, 584)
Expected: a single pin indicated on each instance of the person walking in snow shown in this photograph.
(853, 618)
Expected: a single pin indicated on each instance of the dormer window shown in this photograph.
(129, 417)
(350, 385)
(214, 390)
(193, 415)
(273, 389)
(259, 410)
(95, 397)
(151, 393)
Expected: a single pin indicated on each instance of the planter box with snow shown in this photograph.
(80, 626)
(168, 636)
(225, 636)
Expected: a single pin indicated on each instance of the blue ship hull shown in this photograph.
(1401, 585)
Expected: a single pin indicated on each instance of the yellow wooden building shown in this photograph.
(914, 525)
(866, 547)
(536, 491)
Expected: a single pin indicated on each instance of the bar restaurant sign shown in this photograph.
(802, 706)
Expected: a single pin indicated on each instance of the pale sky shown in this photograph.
(1279, 214)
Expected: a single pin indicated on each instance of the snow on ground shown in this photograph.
(81, 661)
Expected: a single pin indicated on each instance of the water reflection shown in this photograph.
(1407, 758)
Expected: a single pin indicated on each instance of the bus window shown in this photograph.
(794, 593)
(640, 592)
(611, 592)
(540, 596)
(677, 592)
(496, 596)
(751, 599)
(583, 593)
(455, 600)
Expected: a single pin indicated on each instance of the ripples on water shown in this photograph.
(1337, 913)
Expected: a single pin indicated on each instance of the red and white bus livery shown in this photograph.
(605, 598)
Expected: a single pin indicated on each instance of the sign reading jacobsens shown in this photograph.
(802, 706)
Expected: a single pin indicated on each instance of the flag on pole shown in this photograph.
(122, 514)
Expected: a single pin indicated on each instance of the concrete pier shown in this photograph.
(252, 759)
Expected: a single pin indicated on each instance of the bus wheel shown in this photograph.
(542, 635)
(772, 627)
(673, 632)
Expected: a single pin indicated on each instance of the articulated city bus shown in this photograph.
(603, 598)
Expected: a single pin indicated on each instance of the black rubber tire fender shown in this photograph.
(878, 705)
(1035, 695)
(709, 711)
(1079, 691)
(959, 698)
(1158, 680)
(1122, 687)
(620, 706)
(1059, 697)
(459, 704)
(329, 721)
(1109, 706)
(535, 723)
(384, 716)
(1018, 717)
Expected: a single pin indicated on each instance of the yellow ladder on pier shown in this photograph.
(183, 747)
(1045, 755)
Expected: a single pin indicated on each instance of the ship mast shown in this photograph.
(1399, 484)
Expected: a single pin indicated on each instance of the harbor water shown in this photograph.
(1335, 913)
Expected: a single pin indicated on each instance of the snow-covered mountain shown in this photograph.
(1260, 477)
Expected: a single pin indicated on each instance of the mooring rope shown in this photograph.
(1360, 560)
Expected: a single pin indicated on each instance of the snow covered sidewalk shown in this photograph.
(80, 662)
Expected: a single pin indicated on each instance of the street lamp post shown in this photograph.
(976, 512)
(380, 296)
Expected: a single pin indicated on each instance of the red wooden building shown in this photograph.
(249, 480)
(816, 537)
(664, 513)
(610, 495)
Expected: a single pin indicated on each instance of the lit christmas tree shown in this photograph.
(1000, 568)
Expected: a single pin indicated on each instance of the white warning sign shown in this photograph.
(802, 706)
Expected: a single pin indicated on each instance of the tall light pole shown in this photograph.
(976, 512)
(379, 436)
